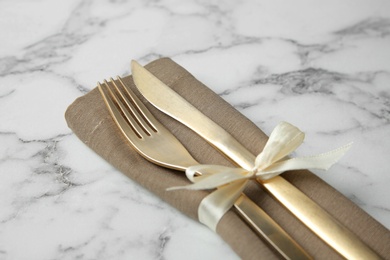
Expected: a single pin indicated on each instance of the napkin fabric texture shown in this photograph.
(90, 120)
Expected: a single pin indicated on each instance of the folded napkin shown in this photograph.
(90, 121)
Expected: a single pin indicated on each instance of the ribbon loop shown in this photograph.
(272, 161)
(284, 139)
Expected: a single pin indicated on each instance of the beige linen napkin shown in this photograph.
(91, 122)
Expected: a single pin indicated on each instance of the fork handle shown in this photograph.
(269, 230)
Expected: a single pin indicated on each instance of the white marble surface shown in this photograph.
(321, 65)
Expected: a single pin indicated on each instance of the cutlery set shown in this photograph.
(154, 142)
(158, 145)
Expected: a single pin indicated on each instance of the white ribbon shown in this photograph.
(272, 161)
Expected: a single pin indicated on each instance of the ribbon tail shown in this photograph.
(215, 205)
(204, 170)
(212, 176)
(322, 161)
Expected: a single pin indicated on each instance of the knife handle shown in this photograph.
(269, 230)
(318, 220)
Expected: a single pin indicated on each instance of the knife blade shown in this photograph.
(307, 211)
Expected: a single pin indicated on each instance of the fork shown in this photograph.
(158, 145)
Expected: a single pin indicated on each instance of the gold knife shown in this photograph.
(311, 214)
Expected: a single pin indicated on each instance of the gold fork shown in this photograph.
(158, 145)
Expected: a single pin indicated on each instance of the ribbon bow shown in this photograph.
(272, 161)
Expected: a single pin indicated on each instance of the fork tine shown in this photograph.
(126, 126)
(129, 110)
(142, 111)
(132, 103)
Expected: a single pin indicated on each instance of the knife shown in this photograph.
(311, 214)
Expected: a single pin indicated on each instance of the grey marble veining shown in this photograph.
(323, 66)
